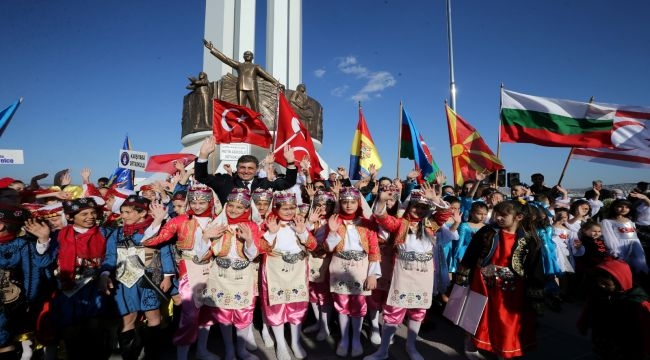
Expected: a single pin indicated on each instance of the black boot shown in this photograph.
(9, 355)
(152, 341)
(129, 344)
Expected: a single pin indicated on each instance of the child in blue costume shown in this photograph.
(17, 258)
(139, 276)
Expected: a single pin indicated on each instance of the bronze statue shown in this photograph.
(248, 72)
(197, 105)
(300, 103)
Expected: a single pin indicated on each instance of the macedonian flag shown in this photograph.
(469, 153)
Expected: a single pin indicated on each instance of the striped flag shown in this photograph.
(364, 152)
(469, 153)
(551, 122)
(413, 147)
(630, 137)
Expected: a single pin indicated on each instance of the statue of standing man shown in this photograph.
(247, 73)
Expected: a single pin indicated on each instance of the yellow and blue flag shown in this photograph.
(364, 152)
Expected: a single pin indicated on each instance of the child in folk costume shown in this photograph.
(379, 295)
(621, 239)
(477, 214)
(285, 292)
(323, 203)
(354, 267)
(193, 247)
(503, 263)
(231, 283)
(262, 199)
(79, 305)
(142, 277)
(18, 257)
(411, 290)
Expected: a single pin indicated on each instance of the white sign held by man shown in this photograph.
(133, 160)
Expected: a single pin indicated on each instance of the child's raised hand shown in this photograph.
(299, 224)
(333, 223)
(315, 214)
(272, 224)
(244, 233)
(158, 211)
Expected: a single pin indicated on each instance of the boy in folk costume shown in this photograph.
(322, 207)
(18, 257)
(354, 267)
(285, 292)
(411, 290)
(194, 249)
(231, 283)
(140, 277)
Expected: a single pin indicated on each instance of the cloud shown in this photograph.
(340, 91)
(375, 81)
(319, 73)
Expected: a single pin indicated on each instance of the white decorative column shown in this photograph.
(230, 25)
(284, 41)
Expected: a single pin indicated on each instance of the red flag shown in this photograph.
(234, 123)
(292, 132)
(165, 162)
(469, 153)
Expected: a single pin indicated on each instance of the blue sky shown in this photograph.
(91, 72)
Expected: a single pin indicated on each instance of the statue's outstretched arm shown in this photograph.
(221, 56)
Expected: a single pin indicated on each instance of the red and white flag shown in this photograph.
(630, 137)
(166, 163)
(234, 123)
(291, 131)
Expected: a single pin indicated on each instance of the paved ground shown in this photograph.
(557, 339)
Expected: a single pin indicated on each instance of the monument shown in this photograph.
(229, 35)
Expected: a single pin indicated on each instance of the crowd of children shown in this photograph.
(80, 262)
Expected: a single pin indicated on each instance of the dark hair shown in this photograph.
(476, 205)
(611, 213)
(576, 204)
(452, 199)
(558, 211)
(586, 225)
(104, 179)
(509, 207)
(248, 159)
(537, 175)
(385, 178)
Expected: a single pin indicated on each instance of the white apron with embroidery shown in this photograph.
(197, 276)
(347, 276)
(286, 283)
(129, 270)
(318, 268)
(412, 284)
(230, 288)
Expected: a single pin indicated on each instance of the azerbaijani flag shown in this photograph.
(413, 147)
(551, 122)
(364, 152)
(469, 153)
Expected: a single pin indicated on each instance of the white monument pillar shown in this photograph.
(284, 41)
(230, 25)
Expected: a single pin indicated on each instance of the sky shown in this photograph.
(91, 72)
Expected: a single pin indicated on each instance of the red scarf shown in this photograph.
(73, 245)
(358, 213)
(244, 217)
(206, 213)
(7, 238)
(138, 228)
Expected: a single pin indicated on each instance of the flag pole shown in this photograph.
(450, 44)
(568, 158)
(399, 136)
(496, 176)
(277, 115)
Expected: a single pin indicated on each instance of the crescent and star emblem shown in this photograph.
(224, 116)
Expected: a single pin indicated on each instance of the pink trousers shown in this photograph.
(395, 315)
(191, 316)
(351, 305)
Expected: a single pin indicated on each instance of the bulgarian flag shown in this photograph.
(552, 122)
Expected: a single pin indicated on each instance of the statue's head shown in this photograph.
(301, 88)
(248, 55)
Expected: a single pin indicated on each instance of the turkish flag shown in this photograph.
(234, 123)
(165, 163)
(291, 131)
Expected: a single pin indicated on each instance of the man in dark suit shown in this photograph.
(245, 175)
